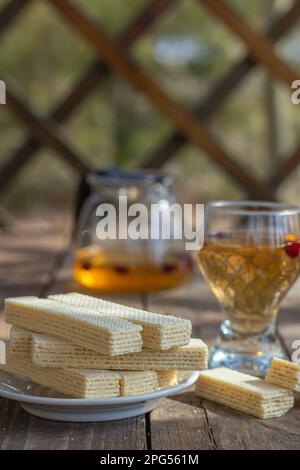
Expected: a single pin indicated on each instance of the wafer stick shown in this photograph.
(138, 382)
(52, 352)
(244, 393)
(87, 383)
(78, 383)
(284, 373)
(167, 378)
(48, 352)
(84, 327)
(20, 340)
(159, 331)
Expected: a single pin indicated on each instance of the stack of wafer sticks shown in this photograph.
(87, 347)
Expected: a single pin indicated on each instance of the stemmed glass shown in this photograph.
(250, 259)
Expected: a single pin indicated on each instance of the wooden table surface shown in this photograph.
(34, 262)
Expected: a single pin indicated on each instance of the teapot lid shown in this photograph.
(114, 176)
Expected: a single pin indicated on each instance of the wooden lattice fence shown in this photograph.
(114, 57)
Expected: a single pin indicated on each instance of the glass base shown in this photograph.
(251, 354)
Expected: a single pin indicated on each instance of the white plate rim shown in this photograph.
(22, 398)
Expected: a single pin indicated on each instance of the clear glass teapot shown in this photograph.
(115, 264)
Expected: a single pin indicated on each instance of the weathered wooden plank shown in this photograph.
(28, 255)
(40, 432)
(28, 252)
(6, 411)
(124, 435)
(236, 431)
(180, 423)
(50, 435)
(14, 435)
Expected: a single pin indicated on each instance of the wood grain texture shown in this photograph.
(236, 431)
(180, 423)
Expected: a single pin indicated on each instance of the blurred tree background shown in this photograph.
(186, 51)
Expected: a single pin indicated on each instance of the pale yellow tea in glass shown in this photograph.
(248, 279)
(250, 259)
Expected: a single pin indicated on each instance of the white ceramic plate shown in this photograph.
(45, 403)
